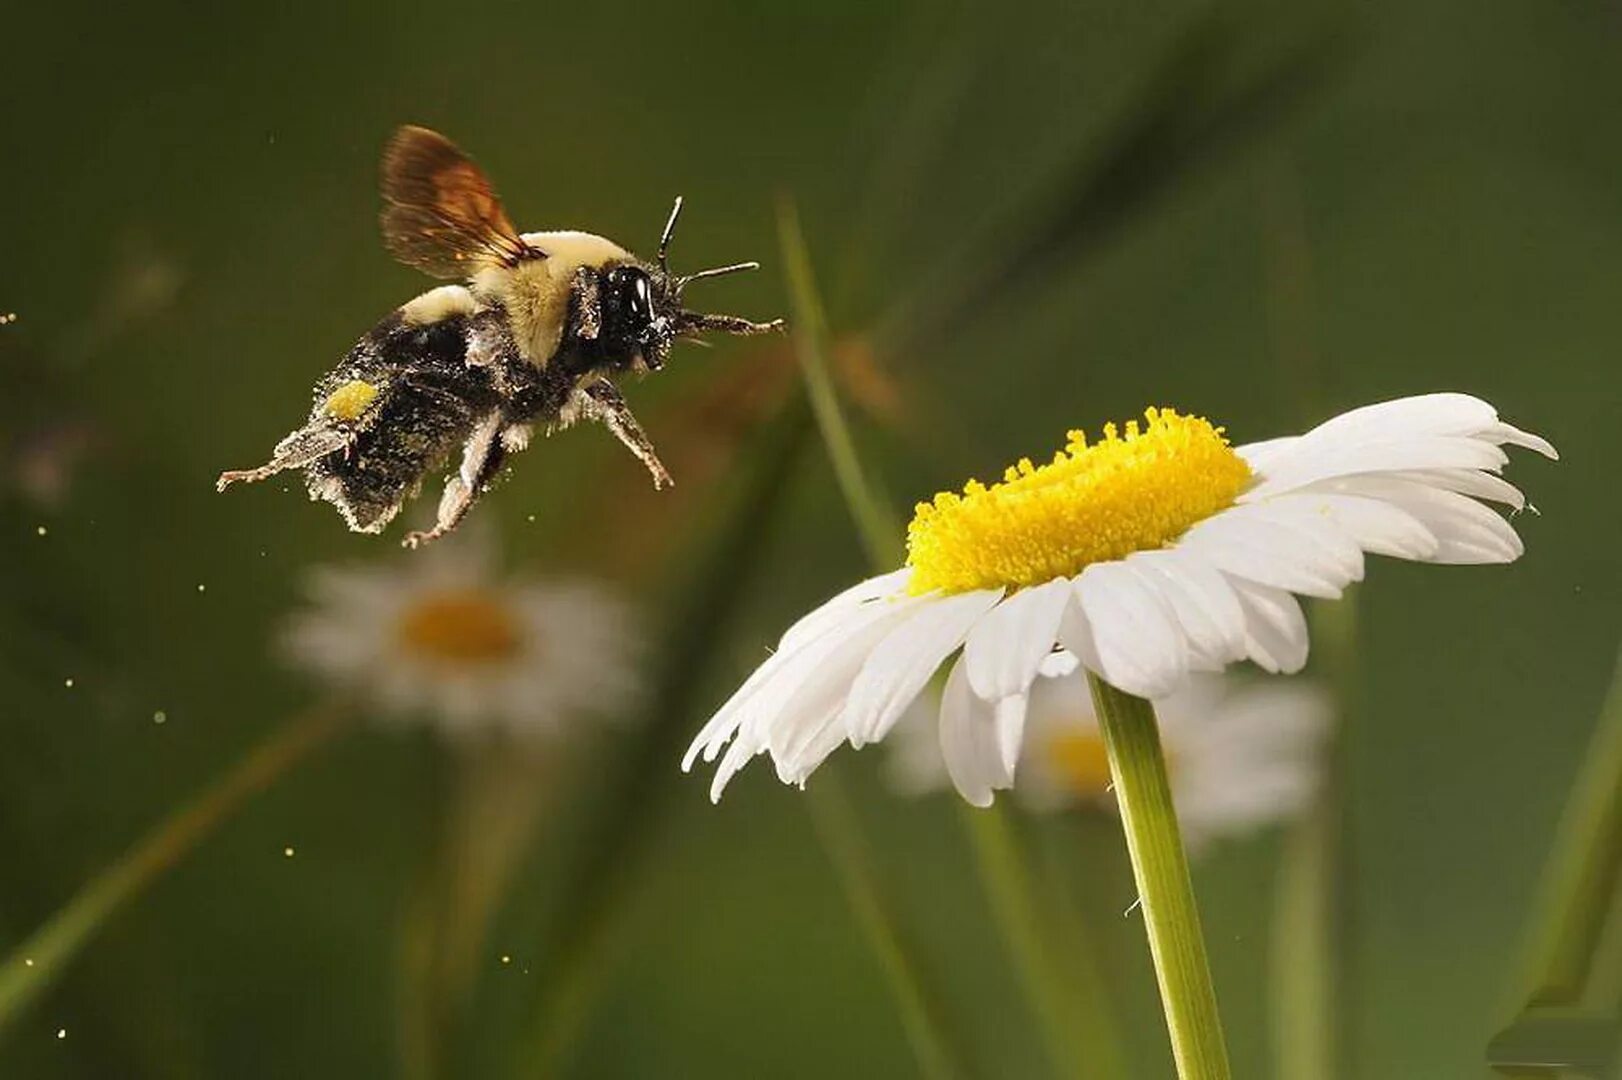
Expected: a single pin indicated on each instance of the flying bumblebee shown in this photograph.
(536, 334)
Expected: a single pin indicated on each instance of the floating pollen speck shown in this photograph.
(41, 530)
(61, 1033)
(160, 717)
(288, 851)
(202, 588)
(68, 683)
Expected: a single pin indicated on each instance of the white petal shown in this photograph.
(1006, 647)
(969, 747)
(1373, 524)
(737, 756)
(903, 662)
(1420, 414)
(1076, 634)
(1009, 718)
(1258, 455)
(1060, 663)
(1508, 433)
(1256, 547)
(1472, 482)
(1275, 628)
(820, 697)
(1465, 530)
(1314, 461)
(772, 685)
(1139, 646)
(874, 588)
(1205, 605)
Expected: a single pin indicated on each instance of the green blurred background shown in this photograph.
(1033, 217)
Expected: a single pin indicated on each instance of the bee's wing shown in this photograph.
(440, 213)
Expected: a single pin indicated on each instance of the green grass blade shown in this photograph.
(35, 964)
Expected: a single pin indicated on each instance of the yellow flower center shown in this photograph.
(1081, 761)
(465, 628)
(1126, 493)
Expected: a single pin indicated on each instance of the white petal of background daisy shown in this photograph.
(1148, 555)
(1243, 754)
(440, 636)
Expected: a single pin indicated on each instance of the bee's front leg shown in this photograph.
(482, 457)
(294, 452)
(601, 400)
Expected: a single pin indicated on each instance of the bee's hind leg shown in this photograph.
(294, 452)
(483, 455)
(601, 401)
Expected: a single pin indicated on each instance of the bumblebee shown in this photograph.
(535, 335)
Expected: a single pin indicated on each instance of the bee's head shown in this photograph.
(648, 301)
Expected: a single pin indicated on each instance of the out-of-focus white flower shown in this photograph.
(1148, 556)
(439, 635)
(1242, 753)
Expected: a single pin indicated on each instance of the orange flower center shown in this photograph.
(1082, 763)
(463, 627)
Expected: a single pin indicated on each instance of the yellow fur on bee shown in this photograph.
(438, 304)
(536, 292)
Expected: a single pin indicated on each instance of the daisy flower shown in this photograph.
(1242, 754)
(1147, 555)
(440, 635)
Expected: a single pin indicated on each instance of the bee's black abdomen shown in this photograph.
(423, 399)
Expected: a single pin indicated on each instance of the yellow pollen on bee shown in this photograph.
(350, 400)
(460, 627)
(1092, 503)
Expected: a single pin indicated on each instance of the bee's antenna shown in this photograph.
(664, 239)
(687, 279)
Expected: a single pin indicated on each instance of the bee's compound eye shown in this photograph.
(632, 295)
(642, 297)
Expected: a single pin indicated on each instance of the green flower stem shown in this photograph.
(1080, 1039)
(1138, 769)
(38, 961)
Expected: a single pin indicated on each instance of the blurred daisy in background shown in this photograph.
(1147, 555)
(1243, 753)
(440, 635)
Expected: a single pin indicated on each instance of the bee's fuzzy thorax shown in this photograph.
(437, 304)
(536, 291)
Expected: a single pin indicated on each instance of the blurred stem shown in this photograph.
(634, 793)
(1080, 1039)
(1303, 951)
(1000, 864)
(938, 1056)
(1310, 950)
(1160, 866)
(1583, 879)
(1312, 956)
(878, 527)
(836, 825)
(39, 960)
